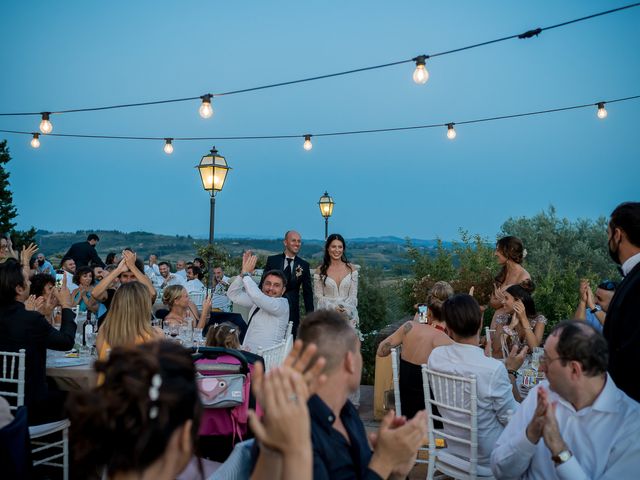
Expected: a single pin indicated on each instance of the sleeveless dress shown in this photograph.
(504, 319)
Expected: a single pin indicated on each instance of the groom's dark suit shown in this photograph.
(300, 276)
(622, 331)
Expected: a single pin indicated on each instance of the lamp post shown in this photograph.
(326, 204)
(213, 170)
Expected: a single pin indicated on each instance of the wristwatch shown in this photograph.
(245, 274)
(595, 309)
(563, 457)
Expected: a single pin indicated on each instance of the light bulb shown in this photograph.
(168, 147)
(45, 124)
(420, 74)
(35, 141)
(206, 110)
(451, 132)
(602, 112)
(307, 143)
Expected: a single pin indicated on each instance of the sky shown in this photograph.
(59, 55)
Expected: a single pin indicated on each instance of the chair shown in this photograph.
(395, 371)
(453, 395)
(12, 370)
(489, 339)
(197, 298)
(288, 338)
(273, 356)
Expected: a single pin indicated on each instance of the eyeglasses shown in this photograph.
(608, 285)
(545, 360)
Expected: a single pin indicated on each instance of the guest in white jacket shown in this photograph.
(269, 310)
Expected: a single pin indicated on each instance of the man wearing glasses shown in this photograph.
(576, 424)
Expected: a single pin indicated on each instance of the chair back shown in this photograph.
(457, 401)
(12, 377)
(197, 298)
(488, 335)
(395, 370)
(273, 356)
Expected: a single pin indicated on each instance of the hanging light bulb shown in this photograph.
(451, 132)
(420, 74)
(602, 112)
(45, 124)
(35, 141)
(307, 143)
(206, 110)
(168, 147)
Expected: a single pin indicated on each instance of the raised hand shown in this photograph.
(27, 253)
(551, 432)
(30, 303)
(515, 359)
(536, 425)
(129, 258)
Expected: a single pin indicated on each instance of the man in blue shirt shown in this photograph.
(340, 447)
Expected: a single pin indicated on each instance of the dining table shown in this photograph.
(71, 371)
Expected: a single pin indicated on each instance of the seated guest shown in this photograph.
(68, 266)
(141, 422)
(44, 266)
(81, 295)
(519, 319)
(182, 310)
(269, 312)
(495, 383)
(6, 248)
(20, 328)
(576, 423)
(592, 309)
(128, 320)
(168, 279)
(418, 340)
(180, 269)
(223, 335)
(220, 287)
(99, 273)
(42, 287)
(194, 280)
(340, 446)
(128, 270)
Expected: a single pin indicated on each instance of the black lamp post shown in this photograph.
(213, 172)
(326, 204)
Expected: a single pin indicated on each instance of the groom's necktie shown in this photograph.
(287, 269)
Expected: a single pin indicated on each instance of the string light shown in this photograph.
(420, 74)
(206, 110)
(168, 147)
(602, 112)
(451, 132)
(307, 143)
(45, 124)
(35, 141)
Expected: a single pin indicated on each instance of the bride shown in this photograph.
(335, 282)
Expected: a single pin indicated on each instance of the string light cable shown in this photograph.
(420, 75)
(451, 132)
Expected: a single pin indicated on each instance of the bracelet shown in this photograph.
(513, 372)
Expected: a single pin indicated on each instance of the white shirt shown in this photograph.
(269, 324)
(70, 285)
(194, 285)
(153, 274)
(173, 279)
(182, 273)
(495, 397)
(604, 440)
(630, 263)
(219, 298)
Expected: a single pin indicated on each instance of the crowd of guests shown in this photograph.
(142, 419)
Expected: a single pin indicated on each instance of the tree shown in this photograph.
(7, 210)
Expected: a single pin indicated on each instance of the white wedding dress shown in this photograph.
(330, 296)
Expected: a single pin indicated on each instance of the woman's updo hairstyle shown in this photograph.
(171, 294)
(512, 248)
(438, 294)
(125, 424)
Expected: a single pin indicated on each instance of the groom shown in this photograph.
(297, 273)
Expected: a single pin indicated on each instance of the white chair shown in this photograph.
(455, 397)
(273, 356)
(197, 298)
(12, 371)
(488, 335)
(288, 338)
(395, 371)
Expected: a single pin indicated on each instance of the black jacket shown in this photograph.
(83, 253)
(622, 331)
(300, 276)
(20, 328)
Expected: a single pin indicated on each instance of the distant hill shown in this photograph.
(387, 253)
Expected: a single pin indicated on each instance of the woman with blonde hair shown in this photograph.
(181, 308)
(128, 321)
(418, 339)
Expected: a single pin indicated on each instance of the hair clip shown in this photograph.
(232, 330)
(154, 394)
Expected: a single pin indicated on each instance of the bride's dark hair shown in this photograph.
(327, 258)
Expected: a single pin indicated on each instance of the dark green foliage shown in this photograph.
(7, 210)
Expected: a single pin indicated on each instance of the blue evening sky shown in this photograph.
(58, 55)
